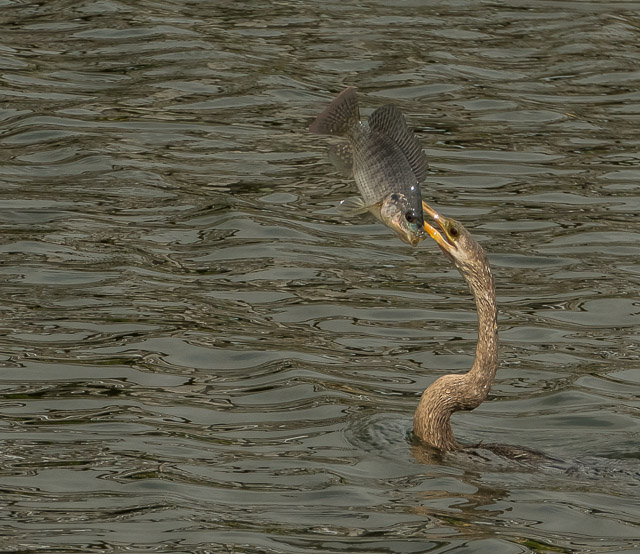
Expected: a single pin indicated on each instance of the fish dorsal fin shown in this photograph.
(390, 121)
(353, 205)
(340, 116)
(341, 156)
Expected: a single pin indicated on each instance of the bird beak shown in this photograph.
(438, 235)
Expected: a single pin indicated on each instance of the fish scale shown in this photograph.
(381, 168)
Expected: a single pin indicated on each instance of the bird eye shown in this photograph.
(410, 217)
(453, 232)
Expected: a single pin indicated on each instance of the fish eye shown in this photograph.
(410, 217)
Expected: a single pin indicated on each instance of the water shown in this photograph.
(199, 354)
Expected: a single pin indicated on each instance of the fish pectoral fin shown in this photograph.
(353, 205)
(341, 156)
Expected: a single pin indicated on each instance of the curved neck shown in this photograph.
(485, 364)
(453, 392)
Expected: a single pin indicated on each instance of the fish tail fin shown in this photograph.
(342, 114)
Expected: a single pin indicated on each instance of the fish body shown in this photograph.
(385, 158)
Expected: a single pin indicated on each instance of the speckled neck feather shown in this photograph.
(453, 392)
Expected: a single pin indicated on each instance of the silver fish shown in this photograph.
(385, 159)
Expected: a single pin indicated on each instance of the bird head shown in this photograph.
(454, 240)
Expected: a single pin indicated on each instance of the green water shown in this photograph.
(199, 354)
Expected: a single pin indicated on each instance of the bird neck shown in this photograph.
(452, 393)
(485, 363)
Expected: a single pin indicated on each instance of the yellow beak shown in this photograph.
(434, 233)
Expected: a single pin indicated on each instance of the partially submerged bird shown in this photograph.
(388, 165)
(454, 392)
(385, 159)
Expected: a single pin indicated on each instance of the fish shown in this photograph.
(385, 159)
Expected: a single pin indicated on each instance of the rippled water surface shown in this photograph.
(199, 354)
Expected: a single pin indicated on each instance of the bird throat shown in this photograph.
(454, 392)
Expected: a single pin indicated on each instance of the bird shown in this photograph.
(456, 392)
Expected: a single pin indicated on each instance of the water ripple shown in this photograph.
(195, 342)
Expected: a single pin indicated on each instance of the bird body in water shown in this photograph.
(385, 159)
(452, 393)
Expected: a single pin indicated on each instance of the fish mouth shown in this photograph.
(440, 236)
(414, 241)
(411, 236)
